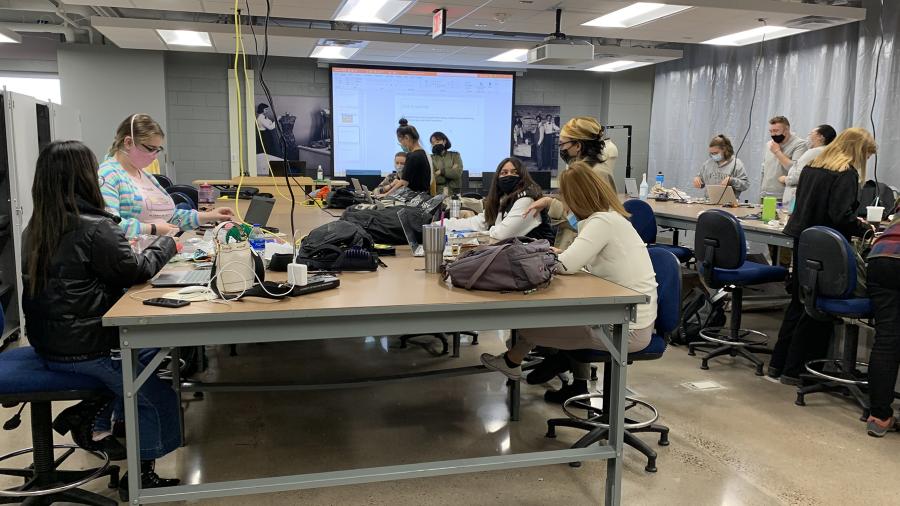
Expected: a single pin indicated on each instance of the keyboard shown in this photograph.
(196, 277)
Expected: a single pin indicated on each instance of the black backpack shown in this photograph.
(338, 246)
(698, 311)
(342, 198)
(383, 223)
(869, 192)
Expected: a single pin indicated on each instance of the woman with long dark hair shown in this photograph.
(510, 195)
(77, 265)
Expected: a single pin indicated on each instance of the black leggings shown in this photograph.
(884, 290)
(801, 338)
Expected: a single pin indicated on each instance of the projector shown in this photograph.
(561, 52)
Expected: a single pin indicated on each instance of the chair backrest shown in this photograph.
(827, 265)
(188, 190)
(487, 180)
(542, 178)
(668, 290)
(182, 200)
(464, 180)
(642, 219)
(719, 242)
(163, 181)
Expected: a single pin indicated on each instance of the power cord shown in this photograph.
(875, 101)
(762, 54)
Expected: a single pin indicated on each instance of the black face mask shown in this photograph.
(778, 139)
(508, 184)
(438, 149)
(566, 156)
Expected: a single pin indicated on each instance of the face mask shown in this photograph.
(138, 157)
(716, 157)
(438, 149)
(778, 139)
(403, 148)
(508, 184)
(573, 220)
(566, 156)
(398, 166)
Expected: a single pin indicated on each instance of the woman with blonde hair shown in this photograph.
(607, 246)
(134, 195)
(826, 196)
(581, 139)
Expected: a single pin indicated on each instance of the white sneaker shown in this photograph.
(498, 363)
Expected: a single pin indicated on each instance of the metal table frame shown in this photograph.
(168, 332)
(775, 237)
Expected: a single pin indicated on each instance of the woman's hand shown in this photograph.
(726, 181)
(538, 206)
(555, 250)
(465, 213)
(217, 214)
(698, 183)
(166, 229)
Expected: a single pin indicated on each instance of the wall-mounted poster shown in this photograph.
(535, 136)
(306, 123)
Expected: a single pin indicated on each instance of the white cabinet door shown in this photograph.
(65, 123)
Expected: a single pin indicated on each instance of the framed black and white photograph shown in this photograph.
(535, 136)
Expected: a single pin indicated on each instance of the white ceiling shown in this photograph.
(707, 19)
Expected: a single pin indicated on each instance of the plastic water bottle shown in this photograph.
(455, 207)
(660, 178)
(205, 194)
(645, 188)
(258, 240)
(319, 174)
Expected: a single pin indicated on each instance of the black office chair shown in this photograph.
(182, 201)
(24, 379)
(441, 337)
(487, 180)
(188, 190)
(668, 278)
(163, 181)
(542, 178)
(721, 251)
(827, 280)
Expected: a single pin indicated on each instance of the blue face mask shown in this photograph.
(403, 148)
(717, 157)
(573, 220)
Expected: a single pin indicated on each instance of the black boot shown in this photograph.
(79, 420)
(548, 369)
(149, 479)
(578, 387)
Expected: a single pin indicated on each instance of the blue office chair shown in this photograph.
(668, 316)
(163, 181)
(721, 250)
(644, 221)
(24, 378)
(183, 201)
(827, 279)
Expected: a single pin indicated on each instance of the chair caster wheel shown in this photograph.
(113, 480)
(800, 400)
(663, 441)
(704, 366)
(550, 434)
(575, 464)
(692, 353)
(650, 468)
(475, 341)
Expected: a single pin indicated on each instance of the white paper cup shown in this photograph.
(874, 214)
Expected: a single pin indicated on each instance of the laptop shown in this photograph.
(259, 211)
(719, 195)
(180, 279)
(631, 187)
(408, 230)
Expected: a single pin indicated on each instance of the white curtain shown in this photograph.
(820, 77)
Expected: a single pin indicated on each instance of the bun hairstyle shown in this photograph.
(587, 131)
(723, 143)
(407, 130)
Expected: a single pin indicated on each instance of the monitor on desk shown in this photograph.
(289, 167)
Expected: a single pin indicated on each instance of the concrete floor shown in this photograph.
(744, 444)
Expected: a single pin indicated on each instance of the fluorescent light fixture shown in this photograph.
(371, 11)
(636, 14)
(9, 37)
(755, 35)
(620, 65)
(185, 38)
(511, 56)
(333, 52)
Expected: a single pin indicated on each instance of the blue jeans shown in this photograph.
(158, 405)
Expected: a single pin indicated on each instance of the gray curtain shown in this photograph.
(820, 77)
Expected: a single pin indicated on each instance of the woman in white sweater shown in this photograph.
(512, 192)
(607, 246)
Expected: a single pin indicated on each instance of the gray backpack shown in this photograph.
(519, 264)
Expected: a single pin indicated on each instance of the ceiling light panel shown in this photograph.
(759, 34)
(511, 56)
(185, 38)
(9, 37)
(620, 65)
(636, 14)
(371, 11)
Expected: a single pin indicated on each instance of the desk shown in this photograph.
(684, 217)
(391, 301)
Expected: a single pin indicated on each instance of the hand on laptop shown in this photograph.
(726, 181)
(217, 214)
(698, 183)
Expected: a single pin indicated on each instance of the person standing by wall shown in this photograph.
(447, 165)
(820, 137)
(782, 153)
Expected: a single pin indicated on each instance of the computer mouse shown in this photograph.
(189, 290)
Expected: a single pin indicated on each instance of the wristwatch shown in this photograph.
(153, 229)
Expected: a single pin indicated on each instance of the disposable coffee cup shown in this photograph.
(434, 238)
(874, 214)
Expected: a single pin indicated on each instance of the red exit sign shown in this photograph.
(438, 23)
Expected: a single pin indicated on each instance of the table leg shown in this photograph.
(616, 414)
(175, 366)
(514, 386)
(675, 237)
(132, 439)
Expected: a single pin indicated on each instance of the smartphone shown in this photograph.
(162, 302)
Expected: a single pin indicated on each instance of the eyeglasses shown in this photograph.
(562, 145)
(152, 149)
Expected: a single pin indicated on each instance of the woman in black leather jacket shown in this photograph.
(77, 265)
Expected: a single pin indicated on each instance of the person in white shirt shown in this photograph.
(512, 192)
(820, 137)
(547, 134)
(607, 246)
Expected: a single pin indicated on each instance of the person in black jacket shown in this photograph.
(826, 196)
(417, 170)
(77, 265)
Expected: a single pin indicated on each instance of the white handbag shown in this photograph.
(237, 267)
